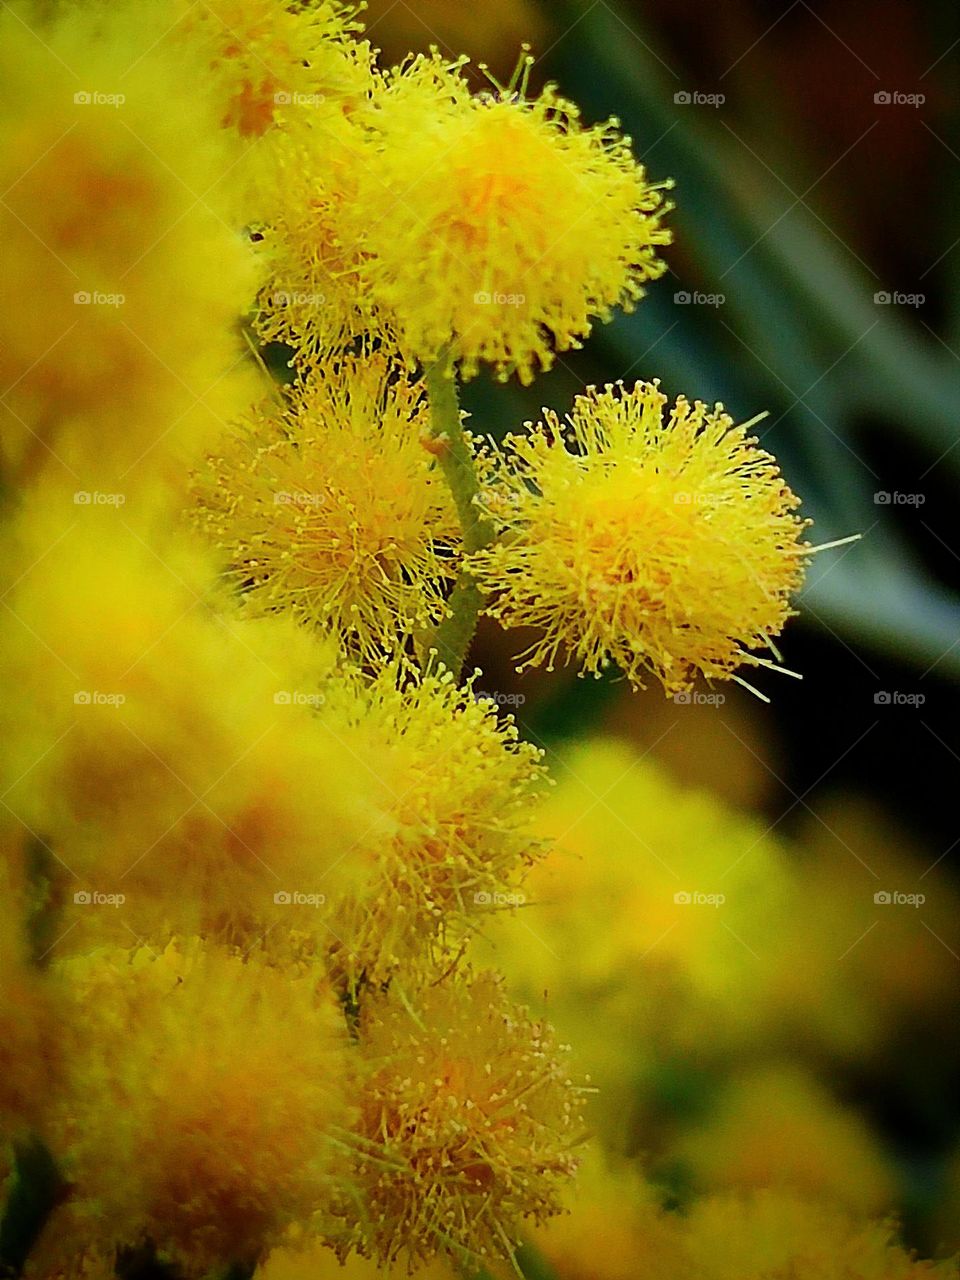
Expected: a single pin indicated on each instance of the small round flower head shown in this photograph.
(666, 542)
(497, 223)
(468, 1125)
(332, 509)
(203, 1093)
(779, 1235)
(268, 60)
(459, 792)
(171, 755)
(125, 357)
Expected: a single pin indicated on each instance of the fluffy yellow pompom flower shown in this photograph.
(171, 756)
(468, 1125)
(458, 790)
(498, 223)
(774, 1235)
(204, 1091)
(123, 285)
(668, 544)
(269, 60)
(331, 508)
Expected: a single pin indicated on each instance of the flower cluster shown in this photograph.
(254, 820)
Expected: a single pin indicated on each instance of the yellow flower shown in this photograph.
(332, 509)
(269, 61)
(668, 545)
(458, 790)
(777, 1235)
(777, 1127)
(468, 1124)
(166, 751)
(684, 919)
(123, 286)
(499, 223)
(204, 1090)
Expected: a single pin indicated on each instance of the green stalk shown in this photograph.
(453, 636)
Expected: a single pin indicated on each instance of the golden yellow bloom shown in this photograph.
(777, 1127)
(685, 919)
(166, 751)
(777, 1235)
(667, 544)
(458, 790)
(497, 222)
(123, 287)
(203, 1094)
(332, 509)
(269, 61)
(468, 1124)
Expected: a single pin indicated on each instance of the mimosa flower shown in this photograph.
(458, 791)
(204, 1090)
(497, 223)
(332, 509)
(168, 752)
(123, 284)
(468, 1125)
(666, 543)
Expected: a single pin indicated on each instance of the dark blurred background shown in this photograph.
(816, 153)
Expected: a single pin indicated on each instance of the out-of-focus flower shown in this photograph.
(468, 1125)
(668, 544)
(331, 508)
(496, 223)
(123, 284)
(777, 1127)
(778, 1235)
(171, 755)
(203, 1093)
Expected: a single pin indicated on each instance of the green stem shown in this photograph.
(453, 636)
(35, 1192)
